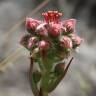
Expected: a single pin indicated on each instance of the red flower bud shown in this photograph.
(31, 24)
(32, 41)
(69, 25)
(66, 42)
(54, 29)
(41, 30)
(76, 39)
(43, 45)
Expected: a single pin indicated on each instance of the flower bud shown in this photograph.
(69, 25)
(66, 42)
(31, 24)
(54, 29)
(76, 39)
(41, 30)
(32, 41)
(43, 45)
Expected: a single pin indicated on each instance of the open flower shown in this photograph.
(66, 42)
(52, 16)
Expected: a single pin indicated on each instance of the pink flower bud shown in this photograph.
(54, 29)
(66, 42)
(41, 30)
(32, 41)
(69, 25)
(76, 39)
(43, 45)
(31, 24)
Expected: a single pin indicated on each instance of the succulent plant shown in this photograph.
(49, 42)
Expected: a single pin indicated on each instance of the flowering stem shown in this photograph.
(31, 80)
(34, 88)
(45, 94)
(42, 93)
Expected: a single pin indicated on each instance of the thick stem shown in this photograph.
(43, 93)
(31, 66)
(33, 85)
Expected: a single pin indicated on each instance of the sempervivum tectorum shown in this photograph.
(53, 40)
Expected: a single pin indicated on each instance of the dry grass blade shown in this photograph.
(10, 58)
(17, 25)
(4, 63)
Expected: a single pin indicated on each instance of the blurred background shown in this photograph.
(14, 61)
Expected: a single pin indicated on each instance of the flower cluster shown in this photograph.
(49, 41)
(51, 34)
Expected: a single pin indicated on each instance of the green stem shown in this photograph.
(43, 93)
(33, 85)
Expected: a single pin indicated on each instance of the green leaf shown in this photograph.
(34, 86)
(47, 81)
(36, 76)
(52, 79)
(59, 68)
